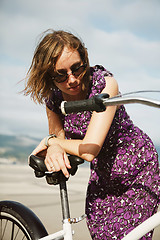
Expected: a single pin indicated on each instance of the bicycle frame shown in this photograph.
(144, 228)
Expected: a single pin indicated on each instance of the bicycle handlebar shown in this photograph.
(99, 102)
(93, 104)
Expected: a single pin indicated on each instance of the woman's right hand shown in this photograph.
(56, 159)
(40, 149)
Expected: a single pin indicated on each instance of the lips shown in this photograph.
(74, 87)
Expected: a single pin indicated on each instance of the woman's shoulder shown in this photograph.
(98, 82)
(100, 70)
(54, 100)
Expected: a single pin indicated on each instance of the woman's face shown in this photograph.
(68, 62)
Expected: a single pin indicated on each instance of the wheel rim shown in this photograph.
(12, 229)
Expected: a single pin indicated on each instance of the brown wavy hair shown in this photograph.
(39, 83)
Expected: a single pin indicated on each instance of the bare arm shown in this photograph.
(55, 124)
(98, 128)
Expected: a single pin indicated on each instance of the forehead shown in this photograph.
(67, 58)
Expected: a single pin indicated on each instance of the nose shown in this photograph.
(71, 78)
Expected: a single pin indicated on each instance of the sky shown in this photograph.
(121, 35)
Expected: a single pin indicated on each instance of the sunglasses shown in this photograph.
(62, 75)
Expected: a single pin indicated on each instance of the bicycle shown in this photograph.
(19, 222)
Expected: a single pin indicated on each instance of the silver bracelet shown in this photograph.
(48, 137)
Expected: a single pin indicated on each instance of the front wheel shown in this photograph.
(19, 222)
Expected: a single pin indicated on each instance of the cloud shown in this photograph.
(133, 60)
(140, 17)
(19, 114)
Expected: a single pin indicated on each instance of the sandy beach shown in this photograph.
(17, 182)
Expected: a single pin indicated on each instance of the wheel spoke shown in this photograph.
(12, 234)
(23, 237)
(10, 230)
(17, 234)
(15, 222)
(3, 229)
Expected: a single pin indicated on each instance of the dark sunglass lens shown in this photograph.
(60, 78)
(78, 71)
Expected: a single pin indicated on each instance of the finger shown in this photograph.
(65, 172)
(64, 166)
(61, 163)
(66, 160)
(58, 163)
(49, 164)
(55, 164)
(35, 151)
(52, 164)
(53, 168)
(38, 149)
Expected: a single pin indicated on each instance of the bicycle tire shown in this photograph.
(19, 222)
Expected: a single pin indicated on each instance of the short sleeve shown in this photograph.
(54, 100)
(98, 82)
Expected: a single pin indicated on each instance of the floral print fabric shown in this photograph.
(123, 188)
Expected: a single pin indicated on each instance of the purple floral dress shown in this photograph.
(124, 185)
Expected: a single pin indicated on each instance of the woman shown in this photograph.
(123, 188)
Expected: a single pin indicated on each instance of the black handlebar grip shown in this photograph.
(93, 104)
